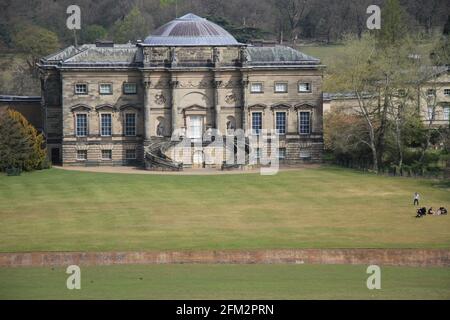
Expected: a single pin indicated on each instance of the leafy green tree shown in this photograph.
(393, 24)
(36, 42)
(133, 26)
(93, 32)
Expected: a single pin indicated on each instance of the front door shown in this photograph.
(195, 131)
(55, 156)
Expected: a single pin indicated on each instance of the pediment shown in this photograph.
(80, 107)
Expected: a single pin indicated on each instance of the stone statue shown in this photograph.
(160, 129)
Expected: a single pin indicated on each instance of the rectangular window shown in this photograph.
(281, 122)
(130, 124)
(81, 125)
(81, 154)
(431, 92)
(430, 113)
(256, 87)
(305, 122)
(129, 88)
(281, 87)
(130, 154)
(81, 88)
(256, 122)
(281, 153)
(304, 87)
(447, 113)
(106, 154)
(105, 88)
(447, 92)
(106, 129)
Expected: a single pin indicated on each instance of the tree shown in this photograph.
(93, 32)
(393, 24)
(21, 146)
(36, 42)
(133, 26)
(358, 74)
(15, 144)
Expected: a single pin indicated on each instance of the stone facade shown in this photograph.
(190, 87)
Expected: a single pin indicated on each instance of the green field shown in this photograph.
(59, 210)
(225, 282)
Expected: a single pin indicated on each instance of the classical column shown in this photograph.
(244, 102)
(147, 133)
(173, 101)
(216, 86)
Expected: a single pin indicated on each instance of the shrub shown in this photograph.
(21, 146)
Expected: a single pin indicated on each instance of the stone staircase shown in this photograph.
(155, 158)
(235, 147)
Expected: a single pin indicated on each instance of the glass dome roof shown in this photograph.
(190, 30)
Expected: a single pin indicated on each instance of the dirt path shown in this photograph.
(395, 257)
(187, 171)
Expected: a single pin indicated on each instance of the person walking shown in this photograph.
(416, 198)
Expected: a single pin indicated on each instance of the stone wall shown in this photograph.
(392, 257)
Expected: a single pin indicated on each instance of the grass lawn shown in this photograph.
(225, 282)
(58, 210)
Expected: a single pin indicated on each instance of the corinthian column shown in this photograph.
(216, 86)
(173, 101)
(244, 102)
(147, 133)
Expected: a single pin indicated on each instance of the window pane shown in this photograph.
(81, 125)
(105, 124)
(105, 88)
(81, 154)
(256, 87)
(130, 124)
(130, 154)
(281, 87)
(305, 122)
(80, 88)
(129, 88)
(446, 113)
(106, 154)
(256, 122)
(447, 92)
(304, 87)
(281, 122)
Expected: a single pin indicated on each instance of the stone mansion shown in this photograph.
(119, 104)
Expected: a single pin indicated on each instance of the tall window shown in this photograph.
(105, 88)
(129, 88)
(81, 125)
(256, 87)
(256, 122)
(447, 113)
(430, 113)
(106, 124)
(305, 122)
(280, 122)
(281, 153)
(130, 124)
(81, 88)
(304, 87)
(281, 87)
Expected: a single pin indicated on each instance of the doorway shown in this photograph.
(195, 130)
(56, 156)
